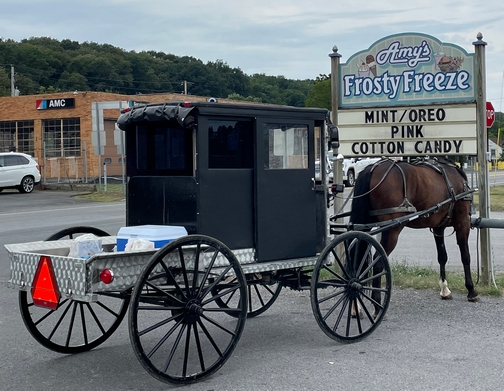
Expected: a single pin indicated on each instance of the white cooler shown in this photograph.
(158, 234)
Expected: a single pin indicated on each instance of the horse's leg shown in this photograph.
(442, 258)
(462, 233)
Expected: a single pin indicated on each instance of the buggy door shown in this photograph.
(285, 189)
(226, 179)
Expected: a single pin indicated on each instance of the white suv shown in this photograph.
(353, 166)
(18, 171)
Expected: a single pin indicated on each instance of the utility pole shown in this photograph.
(13, 92)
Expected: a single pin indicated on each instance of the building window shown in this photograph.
(62, 137)
(17, 136)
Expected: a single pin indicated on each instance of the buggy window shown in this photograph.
(231, 144)
(160, 150)
(287, 146)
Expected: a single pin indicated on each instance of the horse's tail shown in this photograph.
(361, 203)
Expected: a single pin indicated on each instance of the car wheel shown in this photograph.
(350, 178)
(27, 185)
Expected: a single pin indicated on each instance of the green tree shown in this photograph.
(4, 83)
(320, 94)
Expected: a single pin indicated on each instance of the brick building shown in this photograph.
(57, 130)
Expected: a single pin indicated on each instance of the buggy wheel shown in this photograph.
(72, 232)
(74, 326)
(261, 294)
(178, 331)
(350, 287)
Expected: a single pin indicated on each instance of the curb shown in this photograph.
(85, 188)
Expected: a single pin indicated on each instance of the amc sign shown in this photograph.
(63, 103)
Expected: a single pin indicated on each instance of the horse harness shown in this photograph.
(406, 206)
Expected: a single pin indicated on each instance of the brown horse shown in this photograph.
(391, 189)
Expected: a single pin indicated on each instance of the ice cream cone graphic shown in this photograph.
(370, 62)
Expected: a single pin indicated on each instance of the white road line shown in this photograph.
(108, 205)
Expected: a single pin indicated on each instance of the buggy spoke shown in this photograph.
(369, 316)
(207, 271)
(97, 321)
(333, 272)
(175, 345)
(161, 323)
(83, 320)
(365, 257)
(331, 310)
(163, 292)
(332, 296)
(343, 269)
(210, 339)
(340, 316)
(370, 266)
(186, 350)
(231, 290)
(215, 323)
(372, 301)
(70, 326)
(198, 347)
(374, 277)
(60, 320)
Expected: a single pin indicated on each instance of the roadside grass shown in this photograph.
(413, 276)
(496, 198)
(114, 192)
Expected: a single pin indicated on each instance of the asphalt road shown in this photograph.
(424, 343)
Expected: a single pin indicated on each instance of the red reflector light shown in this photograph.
(44, 291)
(186, 104)
(106, 276)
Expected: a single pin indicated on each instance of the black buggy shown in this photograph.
(241, 179)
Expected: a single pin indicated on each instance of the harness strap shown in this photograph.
(405, 206)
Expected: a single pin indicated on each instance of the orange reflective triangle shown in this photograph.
(45, 292)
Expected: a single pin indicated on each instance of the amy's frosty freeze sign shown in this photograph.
(407, 69)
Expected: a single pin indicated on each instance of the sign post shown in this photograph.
(481, 124)
(490, 114)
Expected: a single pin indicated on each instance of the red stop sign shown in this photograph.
(490, 114)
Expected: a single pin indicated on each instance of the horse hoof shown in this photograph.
(474, 299)
(447, 297)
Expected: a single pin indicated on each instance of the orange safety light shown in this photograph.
(44, 291)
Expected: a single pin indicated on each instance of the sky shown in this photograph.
(292, 38)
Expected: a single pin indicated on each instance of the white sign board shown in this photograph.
(408, 131)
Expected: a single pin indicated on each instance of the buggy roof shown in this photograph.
(179, 112)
